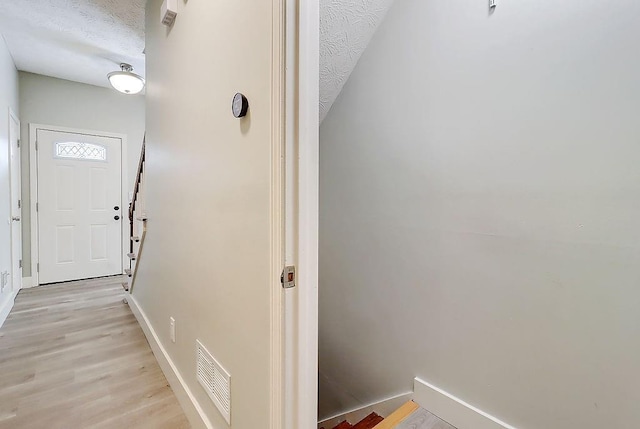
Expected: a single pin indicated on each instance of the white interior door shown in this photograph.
(16, 215)
(79, 206)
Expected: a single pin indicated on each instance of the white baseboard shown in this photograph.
(383, 408)
(6, 306)
(27, 282)
(454, 410)
(187, 400)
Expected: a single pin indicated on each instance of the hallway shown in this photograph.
(73, 355)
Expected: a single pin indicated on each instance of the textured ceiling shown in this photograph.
(83, 40)
(78, 40)
(346, 27)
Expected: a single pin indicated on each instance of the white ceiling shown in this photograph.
(78, 40)
(83, 40)
(346, 28)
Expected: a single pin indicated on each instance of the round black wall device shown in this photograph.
(239, 106)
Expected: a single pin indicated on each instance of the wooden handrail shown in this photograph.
(136, 186)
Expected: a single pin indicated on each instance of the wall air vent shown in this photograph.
(168, 12)
(215, 380)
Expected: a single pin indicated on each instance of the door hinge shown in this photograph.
(36, 144)
(18, 142)
(19, 204)
(38, 267)
(20, 264)
(288, 277)
(37, 206)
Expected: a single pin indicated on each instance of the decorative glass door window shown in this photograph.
(76, 150)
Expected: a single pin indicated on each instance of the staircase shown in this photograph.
(138, 224)
(408, 416)
(369, 422)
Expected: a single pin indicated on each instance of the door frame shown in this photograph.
(308, 208)
(33, 186)
(302, 162)
(13, 116)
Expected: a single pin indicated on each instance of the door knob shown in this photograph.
(16, 218)
(116, 217)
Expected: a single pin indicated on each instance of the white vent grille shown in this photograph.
(215, 380)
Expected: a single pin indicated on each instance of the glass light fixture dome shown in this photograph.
(126, 81)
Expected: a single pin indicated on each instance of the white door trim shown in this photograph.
(14, 116)
(278, 136)
(301, 204)
(33, 186)
(295, 190)
(290, 372)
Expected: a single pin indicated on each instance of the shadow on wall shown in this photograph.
(478, 215)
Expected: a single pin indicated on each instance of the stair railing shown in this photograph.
(134, 200)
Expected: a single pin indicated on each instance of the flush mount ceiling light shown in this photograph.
(126, 81)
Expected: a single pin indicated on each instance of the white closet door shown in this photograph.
(16, 212)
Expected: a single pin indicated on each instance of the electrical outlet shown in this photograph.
(172, 329)
(4, 280)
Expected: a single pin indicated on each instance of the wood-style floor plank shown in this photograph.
(398, 415)
(72, 355)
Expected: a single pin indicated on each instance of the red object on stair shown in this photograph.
(369, 422)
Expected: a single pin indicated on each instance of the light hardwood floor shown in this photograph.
(73, 356)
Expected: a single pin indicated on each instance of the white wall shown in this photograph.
(480, 211)
(50, 101)
(8, 99)
(206, 256)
